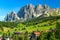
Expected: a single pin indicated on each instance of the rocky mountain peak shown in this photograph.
(39, 6)
(30, 6)
(45, 6)
(12, 16)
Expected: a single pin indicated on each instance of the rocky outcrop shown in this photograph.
(12, 17)
(26, 12)
(38, 10)
(29, 11)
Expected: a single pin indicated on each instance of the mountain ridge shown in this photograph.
(30, 11)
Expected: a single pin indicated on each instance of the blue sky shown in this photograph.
(7, 6)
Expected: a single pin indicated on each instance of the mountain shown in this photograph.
(12, 16)
(30, 11)
(38, 10)
(26, 12)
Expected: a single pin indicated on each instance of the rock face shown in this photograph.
(38, 10)
(26, 12)
(12, 17)
(29, 11)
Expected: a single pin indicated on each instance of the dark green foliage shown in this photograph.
(26, 35)
(41, 20)
(51, 36)
(58, 30)
(8, 24)
(42, 36)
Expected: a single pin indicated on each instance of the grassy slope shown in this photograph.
(41, 24)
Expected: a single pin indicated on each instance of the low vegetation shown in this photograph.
(40, 24)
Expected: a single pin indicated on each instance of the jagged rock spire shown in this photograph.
(12, 16)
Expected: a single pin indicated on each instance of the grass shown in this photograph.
(29, 29)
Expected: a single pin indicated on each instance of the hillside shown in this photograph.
(41, 24)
